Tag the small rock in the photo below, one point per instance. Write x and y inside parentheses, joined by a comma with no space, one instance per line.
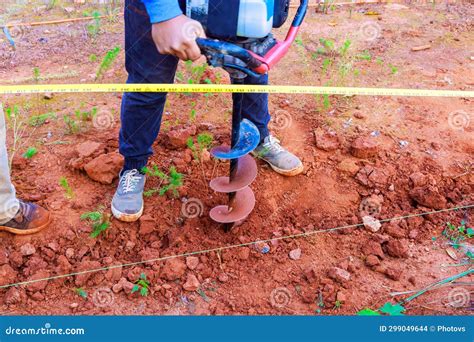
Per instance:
(12,296)
(105,168)
(418,179)
(393,273)
(177,137)
(173,269)
(27,249)
(192,262)
(339,274)
(374,248)
(372,260)
(295,254)
(397,248)
(74,305)
(38,285)
(87,148)
(69,253)
(192,283)
(371,223)
(429,197)
(348,166)
(364,147)
(81,279)
(7,275)
(359,115)
(326,141)
(147,225)
(394,230)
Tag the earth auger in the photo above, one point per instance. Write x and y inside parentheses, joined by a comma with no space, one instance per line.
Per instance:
(242,58)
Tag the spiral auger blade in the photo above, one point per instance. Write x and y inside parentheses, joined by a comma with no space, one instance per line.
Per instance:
(243,171)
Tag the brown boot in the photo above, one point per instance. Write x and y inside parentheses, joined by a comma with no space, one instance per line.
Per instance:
(30,219)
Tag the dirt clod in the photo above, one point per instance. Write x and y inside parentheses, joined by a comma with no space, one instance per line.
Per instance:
(339,274)
(173,269)
(397,248)
(192,283)
(105,168)
(364,147)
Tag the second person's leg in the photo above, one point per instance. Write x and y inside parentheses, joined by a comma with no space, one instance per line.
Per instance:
(141,113)
(255,109)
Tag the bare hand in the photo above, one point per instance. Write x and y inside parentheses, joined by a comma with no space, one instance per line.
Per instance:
(177,37)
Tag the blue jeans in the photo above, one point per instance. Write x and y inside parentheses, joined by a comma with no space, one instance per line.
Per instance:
(141,113)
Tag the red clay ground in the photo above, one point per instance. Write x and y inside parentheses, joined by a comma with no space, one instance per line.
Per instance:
(407,155)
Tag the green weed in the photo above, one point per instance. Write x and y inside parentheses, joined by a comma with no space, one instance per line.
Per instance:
(100,222)
(204,141)
(107,61)
(169,182)
(142,285)
(39,120)
(68,192)
(30,152)
(93,29)
(81,292)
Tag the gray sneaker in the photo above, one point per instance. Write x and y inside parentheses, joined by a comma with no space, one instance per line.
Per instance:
(281,160)
(127,204)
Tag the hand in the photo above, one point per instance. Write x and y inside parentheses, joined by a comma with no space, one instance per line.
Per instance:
(177,37)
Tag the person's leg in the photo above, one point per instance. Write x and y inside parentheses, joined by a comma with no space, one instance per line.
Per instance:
(9,203)
(141,113)
(255,106)
(16,217)
(255,109)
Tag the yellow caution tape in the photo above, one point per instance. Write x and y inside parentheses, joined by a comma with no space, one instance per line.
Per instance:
(227,88)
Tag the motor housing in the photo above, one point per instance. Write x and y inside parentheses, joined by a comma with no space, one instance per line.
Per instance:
(234,20)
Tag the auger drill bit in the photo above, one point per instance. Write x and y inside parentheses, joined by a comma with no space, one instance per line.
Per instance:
(243,169)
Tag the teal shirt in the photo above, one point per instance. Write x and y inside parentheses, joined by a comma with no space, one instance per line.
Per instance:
(162,10)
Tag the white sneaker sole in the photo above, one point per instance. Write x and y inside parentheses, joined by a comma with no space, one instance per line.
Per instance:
(288,173)
(126,217)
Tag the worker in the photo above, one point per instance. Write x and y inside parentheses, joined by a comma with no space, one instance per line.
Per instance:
(16,216)
(157,36)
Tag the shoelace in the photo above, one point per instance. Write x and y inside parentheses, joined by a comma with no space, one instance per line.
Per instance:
(130,181)
(273,145)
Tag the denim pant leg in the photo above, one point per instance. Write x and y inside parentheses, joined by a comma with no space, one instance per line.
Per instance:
(9,204)
(141,113)
(255,106)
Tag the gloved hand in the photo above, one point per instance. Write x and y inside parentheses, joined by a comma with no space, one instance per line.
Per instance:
(177,37)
